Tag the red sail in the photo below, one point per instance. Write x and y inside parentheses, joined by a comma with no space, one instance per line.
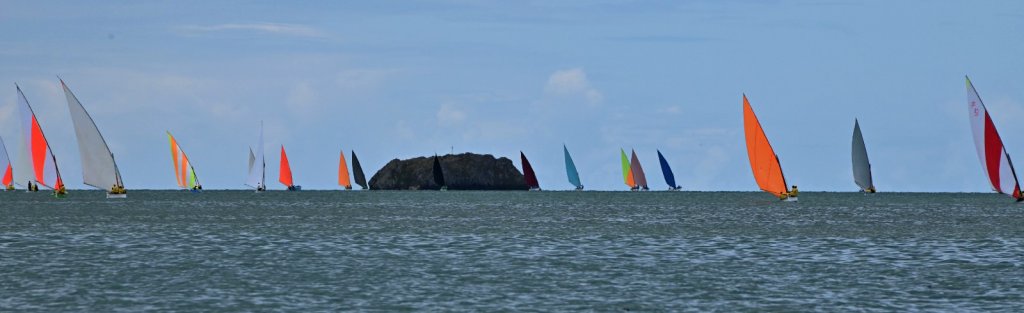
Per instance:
(285,174)
(531,177)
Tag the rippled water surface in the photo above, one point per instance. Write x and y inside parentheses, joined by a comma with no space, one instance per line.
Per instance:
(487,251)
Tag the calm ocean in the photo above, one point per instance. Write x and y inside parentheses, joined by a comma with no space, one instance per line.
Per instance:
(491,251)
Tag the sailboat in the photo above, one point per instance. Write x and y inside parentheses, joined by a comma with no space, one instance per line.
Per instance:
(638,173)
(570,170)
(439,175)
(995,162)
(763,160)
(184,173)
(670,178)
(861,166)
(343,179)
(357,170)
(627,171)
(5,167)
(36,153)
(98,167)
(285,173)
(257,166)
(528,174)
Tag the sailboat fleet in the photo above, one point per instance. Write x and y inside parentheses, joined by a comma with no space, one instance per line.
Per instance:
(37,165)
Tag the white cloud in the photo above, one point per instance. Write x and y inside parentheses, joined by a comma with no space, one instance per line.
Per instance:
(450,114)
(572,83)
(294,30)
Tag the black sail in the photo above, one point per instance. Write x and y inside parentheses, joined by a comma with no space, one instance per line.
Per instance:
(438,173)
(358,171)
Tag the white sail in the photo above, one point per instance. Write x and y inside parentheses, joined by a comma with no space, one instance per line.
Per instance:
(36,161)
(861,166)
(258,169)
(98,167)
(252,160)
(994,159)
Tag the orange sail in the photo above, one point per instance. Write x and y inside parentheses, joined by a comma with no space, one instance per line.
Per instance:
(285,174)
(343,179)
(763,161)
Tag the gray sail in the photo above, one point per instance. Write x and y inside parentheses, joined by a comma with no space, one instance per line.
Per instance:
(252,160)
(861,166)
(257,165)
(98,167)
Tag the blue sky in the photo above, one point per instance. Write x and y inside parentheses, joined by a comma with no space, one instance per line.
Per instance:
(410,78)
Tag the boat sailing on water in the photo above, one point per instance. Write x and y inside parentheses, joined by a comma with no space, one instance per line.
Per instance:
(528,174)
(357,171)
(995,162)
(184,173)
(343,179)
(36,160)
(763,160)
(439,175)
(670,178)
(638,173)
(284,174)
(861,166)
(627,171)
(7,176)
(570,170)
(257,166)
(98,167)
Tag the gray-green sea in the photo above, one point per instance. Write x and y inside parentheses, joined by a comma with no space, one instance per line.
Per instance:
(496,251)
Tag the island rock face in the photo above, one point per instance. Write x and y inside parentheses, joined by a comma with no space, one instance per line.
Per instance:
(465,171)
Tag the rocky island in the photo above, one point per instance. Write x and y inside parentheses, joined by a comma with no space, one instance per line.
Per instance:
(467,171)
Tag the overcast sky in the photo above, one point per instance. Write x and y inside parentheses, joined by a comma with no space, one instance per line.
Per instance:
(398,79)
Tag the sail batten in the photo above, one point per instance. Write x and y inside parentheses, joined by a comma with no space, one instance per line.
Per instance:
(861,165)
(763,161)
(528,174)
(670,178)
(570,170)
(993,156)
(98,167)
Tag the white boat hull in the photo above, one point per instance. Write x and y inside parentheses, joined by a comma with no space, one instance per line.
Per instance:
(117,195)
(791,199)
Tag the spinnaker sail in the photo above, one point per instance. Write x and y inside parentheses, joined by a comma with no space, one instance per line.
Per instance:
(995,160)
(570,170)
(861,166)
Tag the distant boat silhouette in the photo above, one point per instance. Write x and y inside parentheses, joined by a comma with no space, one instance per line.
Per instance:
(570,170)
(861,166)
(184,173)
(284,175)
(528,174)
(638,173)
(670,178)
(627,171)
(343,179)
(358,171)
(7,178)
(439,174)
(257,166)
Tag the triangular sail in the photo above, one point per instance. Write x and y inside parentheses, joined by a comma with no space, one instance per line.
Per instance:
(627,172)
(184,173)
(37,155)
(285,172)
(670,178)
(570,169)
(343,179)
(439,173)
(357,171)
(528,174)
(861,166)
(994,159)
(763,161)
(6,170)
(98,167)
(257,165)
(638,172)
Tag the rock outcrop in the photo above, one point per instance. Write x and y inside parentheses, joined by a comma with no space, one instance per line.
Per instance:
(465,171)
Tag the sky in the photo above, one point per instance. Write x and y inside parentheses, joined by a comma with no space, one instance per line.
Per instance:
(400,79)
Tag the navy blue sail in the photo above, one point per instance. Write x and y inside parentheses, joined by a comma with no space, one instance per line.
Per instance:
(670,178)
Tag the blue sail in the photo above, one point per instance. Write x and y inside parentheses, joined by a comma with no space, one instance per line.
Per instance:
(570,170)
(670,178)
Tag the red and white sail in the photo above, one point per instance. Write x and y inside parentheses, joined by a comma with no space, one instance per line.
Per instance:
(994,159)
(42,165)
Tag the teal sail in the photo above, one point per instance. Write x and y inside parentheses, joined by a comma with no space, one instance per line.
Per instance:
(670,178)
(570,170)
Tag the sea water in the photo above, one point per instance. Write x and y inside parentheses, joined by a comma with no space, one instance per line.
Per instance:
(491,251)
